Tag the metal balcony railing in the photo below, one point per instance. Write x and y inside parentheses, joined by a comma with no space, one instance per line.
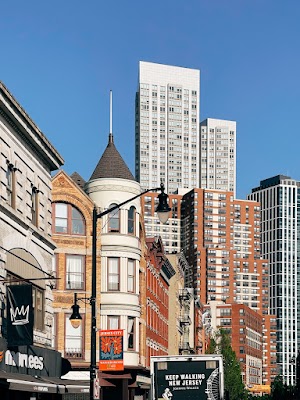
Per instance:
(73,353)
(184,319)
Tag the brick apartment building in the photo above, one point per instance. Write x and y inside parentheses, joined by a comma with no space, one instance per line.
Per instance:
(221,241)
(159,272)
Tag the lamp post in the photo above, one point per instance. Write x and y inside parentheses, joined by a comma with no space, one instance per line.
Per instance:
(162,211)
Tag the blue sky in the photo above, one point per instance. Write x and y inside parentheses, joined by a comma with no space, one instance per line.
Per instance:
(60,58)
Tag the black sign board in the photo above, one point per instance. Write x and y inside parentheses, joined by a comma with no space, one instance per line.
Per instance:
(187,379)
(19,315)
(30,360)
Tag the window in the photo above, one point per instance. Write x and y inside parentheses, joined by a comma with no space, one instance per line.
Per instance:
(75,271)
(68,220)
(38,307)
(114,219)
(11,185)
(131,220)
(113,274)
(73,340)
(131,276)
(113,322)
(34,206)
(130,332)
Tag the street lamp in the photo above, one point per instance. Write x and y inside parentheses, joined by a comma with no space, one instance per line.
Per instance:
(162,210)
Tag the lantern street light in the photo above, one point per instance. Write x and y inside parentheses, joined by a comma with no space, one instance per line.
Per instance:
(162,211)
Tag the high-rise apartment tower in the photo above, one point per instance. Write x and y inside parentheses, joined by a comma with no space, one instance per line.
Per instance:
(279,197)
(167,126)
(218,154)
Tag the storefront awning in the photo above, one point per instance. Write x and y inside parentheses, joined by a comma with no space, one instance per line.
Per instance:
(143,382)
(121,375)
(27,383)
(77,386)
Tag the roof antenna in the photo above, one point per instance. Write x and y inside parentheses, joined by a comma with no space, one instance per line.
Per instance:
(111,139)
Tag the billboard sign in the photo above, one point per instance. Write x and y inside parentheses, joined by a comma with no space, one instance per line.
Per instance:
(187,378)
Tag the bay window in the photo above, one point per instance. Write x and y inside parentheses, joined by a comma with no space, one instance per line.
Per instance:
(113,274)
(130,333)
(131,275)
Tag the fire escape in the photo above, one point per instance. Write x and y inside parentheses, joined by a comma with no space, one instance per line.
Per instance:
(185,298)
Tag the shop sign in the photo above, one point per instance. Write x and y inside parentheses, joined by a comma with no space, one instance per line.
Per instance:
(19,315)
(24,360)
(30,360)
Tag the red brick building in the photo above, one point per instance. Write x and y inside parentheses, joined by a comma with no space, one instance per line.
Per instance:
(159,271)
(221,242)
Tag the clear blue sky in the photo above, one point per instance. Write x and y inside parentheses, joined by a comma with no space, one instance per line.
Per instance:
(60,58)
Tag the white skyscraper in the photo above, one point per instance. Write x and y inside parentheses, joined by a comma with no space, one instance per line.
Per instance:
(218,154)
(167,126)
(280,244)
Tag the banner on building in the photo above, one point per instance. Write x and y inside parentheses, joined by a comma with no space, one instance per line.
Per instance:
(19,315)
(111,350)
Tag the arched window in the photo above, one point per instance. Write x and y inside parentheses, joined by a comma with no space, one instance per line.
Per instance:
(131,220)
(114,219)
(68,220)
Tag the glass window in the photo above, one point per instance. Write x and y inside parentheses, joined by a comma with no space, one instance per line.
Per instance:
(61,218)
(131,276)
(10,185)
(113,274)
(34,206)
(114,219)
(68,220)
(73,340)
(77,222)
(131,220)
(113,322)
(75,266)
(130,332)
(38,305)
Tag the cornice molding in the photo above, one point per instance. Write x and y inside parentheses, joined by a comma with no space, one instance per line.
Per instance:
(113,188)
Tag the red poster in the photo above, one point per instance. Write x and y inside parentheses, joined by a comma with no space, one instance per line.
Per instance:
(111,350)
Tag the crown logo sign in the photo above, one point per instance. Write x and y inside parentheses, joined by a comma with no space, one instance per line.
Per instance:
(19,316)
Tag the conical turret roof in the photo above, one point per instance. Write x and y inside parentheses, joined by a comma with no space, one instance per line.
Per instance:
(111,164)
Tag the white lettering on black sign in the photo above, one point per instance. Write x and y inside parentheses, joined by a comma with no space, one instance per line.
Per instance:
(189,381)
(23,360)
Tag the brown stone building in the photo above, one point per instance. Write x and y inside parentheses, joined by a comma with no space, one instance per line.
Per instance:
(72,233)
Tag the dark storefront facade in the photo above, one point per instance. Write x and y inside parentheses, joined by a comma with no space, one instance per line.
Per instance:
(32,372)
